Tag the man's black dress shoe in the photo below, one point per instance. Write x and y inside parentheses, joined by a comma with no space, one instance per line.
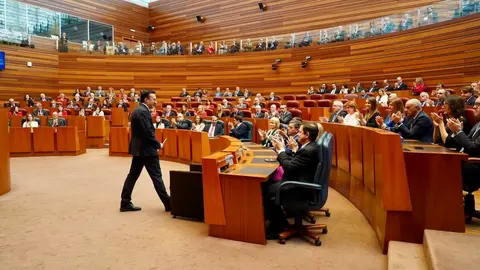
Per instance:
(129,207)
(167,208)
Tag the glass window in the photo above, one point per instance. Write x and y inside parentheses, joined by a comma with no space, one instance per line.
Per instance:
(42,22)
(16,16)
(2,14)
(100,31)
(75,28)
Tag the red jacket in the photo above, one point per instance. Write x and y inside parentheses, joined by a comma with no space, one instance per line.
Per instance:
(419,89)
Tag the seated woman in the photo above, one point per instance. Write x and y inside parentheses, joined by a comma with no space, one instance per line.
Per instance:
(351,119)
(30,122)
(15,111)
(98,112)
(382,98)
(273,131)
(395,107)
(161,123)
(371,113)
(201,111)
(198,124)
(62,112)
(419,87)
(454,109)
(81,112)
(220,113)
(211,48)
(184,110)
(209,105)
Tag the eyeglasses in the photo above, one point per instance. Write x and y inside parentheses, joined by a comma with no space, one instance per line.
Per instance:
(477,104)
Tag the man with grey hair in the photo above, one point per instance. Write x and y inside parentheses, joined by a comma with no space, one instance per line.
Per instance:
(258,112)
(337,111)
(416,125)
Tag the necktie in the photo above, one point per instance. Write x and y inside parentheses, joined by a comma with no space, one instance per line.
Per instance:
(477,129)
(211,131)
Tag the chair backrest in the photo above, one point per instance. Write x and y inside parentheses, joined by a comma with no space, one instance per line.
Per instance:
(175,99)
(296,112)
(288,97)
(246,113)
(223,125)
(189,123)
(350,96)
(330,96)
(293,104)
(322,174)
(301,97)
(250,130)
(309,103)
(316,97)
(324,103)
(209,112)
(180,104)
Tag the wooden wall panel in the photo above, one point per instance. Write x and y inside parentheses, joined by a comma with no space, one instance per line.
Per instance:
(121,14)
(440,52)
(231,19)
(18,79)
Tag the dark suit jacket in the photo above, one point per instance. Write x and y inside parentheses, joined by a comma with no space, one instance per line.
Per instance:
(334,117)
(218,129)
(470,143)
(302,165)
(259,115)
(402,86)
(61,122)
(374,89)
(37,112)
(172,113)
(388,88)
(183,125)
(143,142)
(240,132)
(470,101)
(233,114)
(285,118)
(420,128)
(371,122)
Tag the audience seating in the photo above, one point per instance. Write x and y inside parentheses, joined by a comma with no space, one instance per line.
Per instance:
(343,100)
(288,97)
(330,96)
(276,103)
(247,113)
(175,99)
(296,112)
(165,104)
(218,98)
(309,104)
(351,96)
(209,112)
(316,97)
(293,104)
(301,97)
(250,131)
(324,103)
(180,104)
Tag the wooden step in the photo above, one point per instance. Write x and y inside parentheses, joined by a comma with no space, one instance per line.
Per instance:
(406,256)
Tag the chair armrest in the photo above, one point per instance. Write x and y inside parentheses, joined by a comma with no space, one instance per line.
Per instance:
(295,184)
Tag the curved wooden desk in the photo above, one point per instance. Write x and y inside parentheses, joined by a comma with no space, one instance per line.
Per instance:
(400,189)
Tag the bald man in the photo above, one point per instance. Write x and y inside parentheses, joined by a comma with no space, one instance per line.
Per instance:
(416,125)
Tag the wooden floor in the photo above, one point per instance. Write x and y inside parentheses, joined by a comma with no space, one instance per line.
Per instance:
(474,228)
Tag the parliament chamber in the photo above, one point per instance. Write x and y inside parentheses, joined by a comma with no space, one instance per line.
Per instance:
(395,116)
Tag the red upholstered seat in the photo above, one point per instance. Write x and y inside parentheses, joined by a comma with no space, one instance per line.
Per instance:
(195,104)
(289,97)
(404,100)
(22,111)
(352,96)
(330,96)
(191,111)
(231,98)
(227,111)
(209,112)
(179,104)
(343,100)
(217,98)
(247,113)
(175,99)
(470,115)
(160,112)
(293,104)
(165,104)
(296,112)
(301,97)
(309,103)
(316,97)
(270,103)
(88,112)
(324,103)
(105,111)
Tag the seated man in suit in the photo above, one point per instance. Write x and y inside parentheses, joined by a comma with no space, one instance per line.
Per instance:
(214,128)
(10,104)
(168,111)
(238,130)
(441,95)
(387,86)
(416,125)
(91,104)
(258,112)
(40,111)
(44,98)
(468,144)
(299,167)
(337,111)
(181,123)
(235,112)
(55,121)
(400,85)
(467,95)
(184,93)
(374,87)
(285,116)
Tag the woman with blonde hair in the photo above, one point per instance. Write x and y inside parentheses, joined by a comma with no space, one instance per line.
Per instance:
(382,98)
(273,132)
(351,119)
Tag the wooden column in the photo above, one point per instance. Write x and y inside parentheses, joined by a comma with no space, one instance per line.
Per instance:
(4,153)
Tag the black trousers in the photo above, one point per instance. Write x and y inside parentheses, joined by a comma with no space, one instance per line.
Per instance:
(272,211)
(153,168)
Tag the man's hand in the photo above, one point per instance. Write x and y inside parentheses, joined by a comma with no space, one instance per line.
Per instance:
(397,117)
(278,144)
(292,144)
(340,119)
(230,124)
(454,124)
(174,121)
(323,119)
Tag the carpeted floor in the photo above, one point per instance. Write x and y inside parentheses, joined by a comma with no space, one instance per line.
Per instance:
(62,213)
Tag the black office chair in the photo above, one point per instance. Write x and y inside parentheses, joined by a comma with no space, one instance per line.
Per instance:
(223,126)
(295,197)
(250,131)
(189,122)
(469,199)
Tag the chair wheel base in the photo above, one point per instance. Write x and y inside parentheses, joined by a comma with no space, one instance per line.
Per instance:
(328,214)
(325,231)
(282,241)
(318,242)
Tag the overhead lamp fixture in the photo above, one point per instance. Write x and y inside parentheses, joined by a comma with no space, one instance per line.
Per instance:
(262,6)
(200,19)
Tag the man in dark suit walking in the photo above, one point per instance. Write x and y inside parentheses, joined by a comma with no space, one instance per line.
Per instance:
(144,149)
(417,125)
